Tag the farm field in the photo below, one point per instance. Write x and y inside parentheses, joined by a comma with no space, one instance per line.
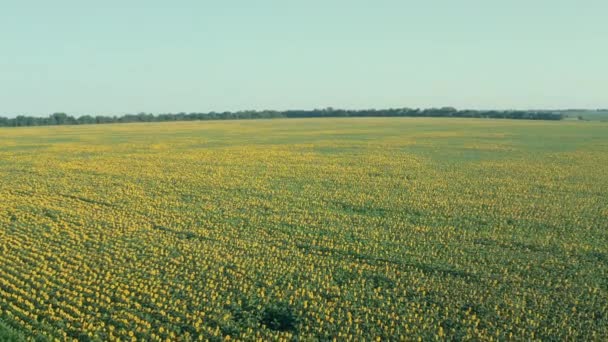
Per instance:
(311,229)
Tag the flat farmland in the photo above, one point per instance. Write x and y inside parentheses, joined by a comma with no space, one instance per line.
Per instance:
(307,229)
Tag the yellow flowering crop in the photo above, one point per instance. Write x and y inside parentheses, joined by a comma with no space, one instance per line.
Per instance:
(314,229)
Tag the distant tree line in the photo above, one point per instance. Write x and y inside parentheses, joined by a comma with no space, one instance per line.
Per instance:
(64,119)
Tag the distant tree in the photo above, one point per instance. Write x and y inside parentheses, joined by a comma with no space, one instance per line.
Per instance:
(64,119)
(85,120)
(59,118)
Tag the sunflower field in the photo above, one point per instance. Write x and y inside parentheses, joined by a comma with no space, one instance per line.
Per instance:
(305,229)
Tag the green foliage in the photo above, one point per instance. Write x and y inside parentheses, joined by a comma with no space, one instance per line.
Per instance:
(8,334)
(279,317)
(63,119)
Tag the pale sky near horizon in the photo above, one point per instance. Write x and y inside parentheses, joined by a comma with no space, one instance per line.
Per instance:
(115,57)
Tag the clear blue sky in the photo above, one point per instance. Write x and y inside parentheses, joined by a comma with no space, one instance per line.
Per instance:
(114,57)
